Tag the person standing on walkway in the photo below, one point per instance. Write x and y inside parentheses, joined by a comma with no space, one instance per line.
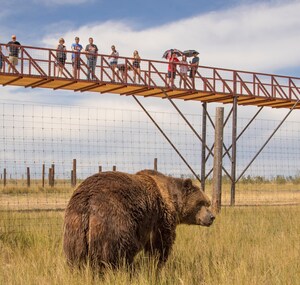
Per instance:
(113,61)
(1,59)
(194,66)
(13,51)
(136,66)
(91,54)
(76,48)
(61,56)
(183,71)
(172,69)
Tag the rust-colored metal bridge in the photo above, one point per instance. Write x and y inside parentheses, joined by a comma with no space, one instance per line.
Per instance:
(38,68)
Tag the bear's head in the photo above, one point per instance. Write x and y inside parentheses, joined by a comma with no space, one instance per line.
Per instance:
(189,201)
(193,208)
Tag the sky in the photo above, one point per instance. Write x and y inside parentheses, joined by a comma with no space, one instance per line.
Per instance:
(246,35)
(260,36)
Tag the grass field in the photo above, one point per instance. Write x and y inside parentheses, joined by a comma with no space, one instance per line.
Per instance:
(20,197)
(246,245)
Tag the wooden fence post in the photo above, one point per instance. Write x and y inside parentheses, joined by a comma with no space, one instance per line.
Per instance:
(74,180)
(28,177)
(100,168)
(155,164)
(217,167)
(72,184)
(50,176)
(114,168)
(4,177)
(52,173)
(43,175)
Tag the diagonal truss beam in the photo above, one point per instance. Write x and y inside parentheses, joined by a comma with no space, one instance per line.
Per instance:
(244,129)
(191,127)
(267,141)
(167,138)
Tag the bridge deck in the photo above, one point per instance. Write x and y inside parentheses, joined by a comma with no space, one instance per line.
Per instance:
(37,68)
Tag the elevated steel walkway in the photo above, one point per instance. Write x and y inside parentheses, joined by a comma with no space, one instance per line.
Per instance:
(38,68)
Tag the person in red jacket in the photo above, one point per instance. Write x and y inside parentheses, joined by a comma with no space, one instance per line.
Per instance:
(172,69)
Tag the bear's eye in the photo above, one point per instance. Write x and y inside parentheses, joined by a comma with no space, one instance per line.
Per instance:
(189,190)
(187,183)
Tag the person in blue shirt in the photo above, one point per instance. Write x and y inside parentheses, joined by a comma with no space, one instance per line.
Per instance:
(76,48)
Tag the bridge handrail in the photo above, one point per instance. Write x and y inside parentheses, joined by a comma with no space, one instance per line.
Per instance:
(42,61)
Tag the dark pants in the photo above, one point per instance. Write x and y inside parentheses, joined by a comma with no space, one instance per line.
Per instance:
(91,62)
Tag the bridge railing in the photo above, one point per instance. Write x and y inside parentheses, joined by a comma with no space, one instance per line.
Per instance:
(43,63)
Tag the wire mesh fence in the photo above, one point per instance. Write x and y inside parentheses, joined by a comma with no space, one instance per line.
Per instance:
(39,144)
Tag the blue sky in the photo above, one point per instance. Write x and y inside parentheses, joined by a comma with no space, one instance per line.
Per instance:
(32,18)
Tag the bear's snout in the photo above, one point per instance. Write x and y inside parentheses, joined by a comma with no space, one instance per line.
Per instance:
(205,217)
(212,218)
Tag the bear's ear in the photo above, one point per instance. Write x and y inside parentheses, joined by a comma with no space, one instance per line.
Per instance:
(187,185)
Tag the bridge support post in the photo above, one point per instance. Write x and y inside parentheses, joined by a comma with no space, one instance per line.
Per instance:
(233,152)
(203,151)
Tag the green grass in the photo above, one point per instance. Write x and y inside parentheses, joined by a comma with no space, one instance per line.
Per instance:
(251,245)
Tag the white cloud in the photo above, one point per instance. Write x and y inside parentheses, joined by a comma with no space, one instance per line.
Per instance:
(259,37)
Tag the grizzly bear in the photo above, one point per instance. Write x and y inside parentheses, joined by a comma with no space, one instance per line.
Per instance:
(112,216)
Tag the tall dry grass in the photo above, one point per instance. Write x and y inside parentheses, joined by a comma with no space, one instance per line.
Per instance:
(21,197)
(252,245)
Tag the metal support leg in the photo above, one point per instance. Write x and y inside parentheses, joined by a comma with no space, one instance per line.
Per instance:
(267,141)
(203,152)
(233,151)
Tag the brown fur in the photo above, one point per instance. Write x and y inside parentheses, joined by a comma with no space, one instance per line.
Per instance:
(112,216)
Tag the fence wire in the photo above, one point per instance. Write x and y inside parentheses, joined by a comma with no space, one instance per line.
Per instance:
(35,135)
